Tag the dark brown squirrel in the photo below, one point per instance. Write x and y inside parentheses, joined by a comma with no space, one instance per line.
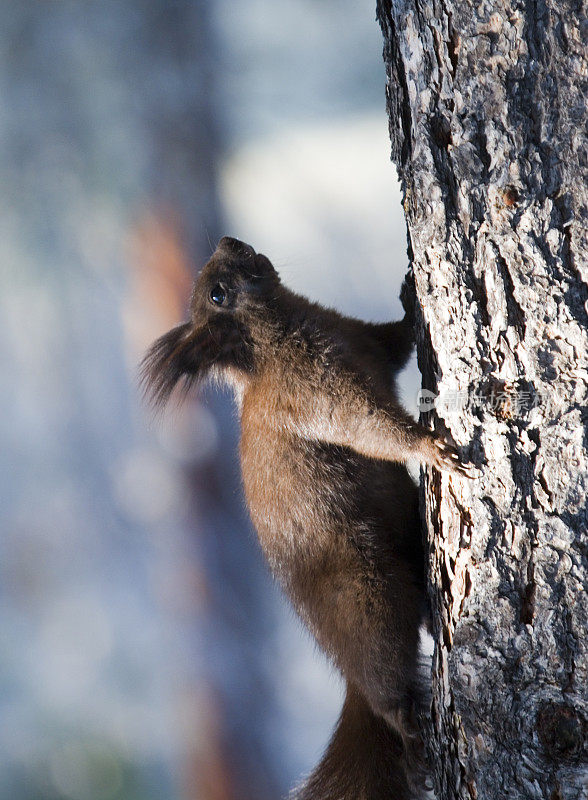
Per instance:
(323,441)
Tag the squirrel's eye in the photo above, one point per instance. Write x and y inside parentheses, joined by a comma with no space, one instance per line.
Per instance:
(218,296)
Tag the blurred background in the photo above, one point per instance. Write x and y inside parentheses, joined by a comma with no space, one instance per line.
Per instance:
(144,650)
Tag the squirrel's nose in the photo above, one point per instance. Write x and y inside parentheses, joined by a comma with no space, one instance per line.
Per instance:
(235,247)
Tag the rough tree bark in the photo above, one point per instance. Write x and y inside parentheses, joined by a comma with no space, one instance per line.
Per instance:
(488,121)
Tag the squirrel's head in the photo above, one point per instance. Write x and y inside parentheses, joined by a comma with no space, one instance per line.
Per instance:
(232,283)
(231,286)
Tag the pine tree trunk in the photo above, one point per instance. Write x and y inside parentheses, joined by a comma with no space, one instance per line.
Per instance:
(488,122)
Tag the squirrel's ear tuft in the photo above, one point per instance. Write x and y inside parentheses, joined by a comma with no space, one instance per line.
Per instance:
(183,355)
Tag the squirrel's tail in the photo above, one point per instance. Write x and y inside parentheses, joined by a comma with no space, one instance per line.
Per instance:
(365,760)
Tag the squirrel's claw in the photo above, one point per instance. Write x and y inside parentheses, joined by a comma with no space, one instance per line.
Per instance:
(448,458)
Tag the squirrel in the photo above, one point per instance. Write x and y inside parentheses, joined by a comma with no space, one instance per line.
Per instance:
(323,445)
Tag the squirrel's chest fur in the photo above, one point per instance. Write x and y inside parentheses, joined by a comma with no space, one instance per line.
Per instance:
(333,525)
(293,487)
(292,492)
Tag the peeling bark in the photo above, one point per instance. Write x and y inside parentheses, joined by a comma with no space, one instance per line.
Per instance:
(488,121)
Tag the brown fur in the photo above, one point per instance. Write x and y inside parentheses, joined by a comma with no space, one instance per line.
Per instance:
(322,438)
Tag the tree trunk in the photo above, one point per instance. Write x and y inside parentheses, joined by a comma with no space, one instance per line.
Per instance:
(488,121)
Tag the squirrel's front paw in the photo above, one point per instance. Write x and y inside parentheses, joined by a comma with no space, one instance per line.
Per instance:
(446,457)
